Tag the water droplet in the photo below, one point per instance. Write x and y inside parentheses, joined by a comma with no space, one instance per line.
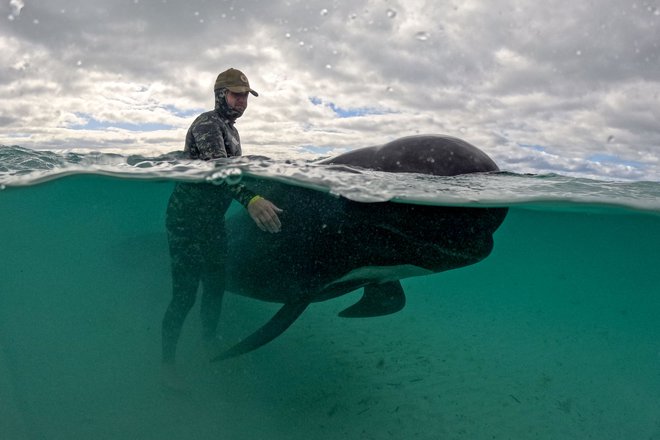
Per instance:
(391,13)
(578,52)
(422,36)
(196,13)
(301,43)
(287,35)
(610,138)
(352,16)
(463,130)
(389,89)
(79,63)
(16,7)
(328,66)
(234,178)
(35,21)
(324,12)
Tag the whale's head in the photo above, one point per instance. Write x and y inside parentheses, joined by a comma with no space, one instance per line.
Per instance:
(434,238)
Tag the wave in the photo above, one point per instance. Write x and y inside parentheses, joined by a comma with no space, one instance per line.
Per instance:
(25,167)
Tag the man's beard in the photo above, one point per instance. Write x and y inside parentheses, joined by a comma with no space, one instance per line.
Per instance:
(235,113)
(222,105)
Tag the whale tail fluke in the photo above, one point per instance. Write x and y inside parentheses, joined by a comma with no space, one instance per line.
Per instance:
(378,300)
(282,320)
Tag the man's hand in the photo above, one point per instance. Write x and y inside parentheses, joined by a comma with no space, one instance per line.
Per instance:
(264,213)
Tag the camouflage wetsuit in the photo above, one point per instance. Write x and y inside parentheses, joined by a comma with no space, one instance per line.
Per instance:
(196,227)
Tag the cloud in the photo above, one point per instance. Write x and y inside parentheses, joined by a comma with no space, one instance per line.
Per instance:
(578,79)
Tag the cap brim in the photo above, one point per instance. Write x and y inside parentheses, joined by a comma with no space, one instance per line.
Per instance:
(242,89)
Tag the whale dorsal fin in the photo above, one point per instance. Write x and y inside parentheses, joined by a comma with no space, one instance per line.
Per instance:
(377,300)
(282,320)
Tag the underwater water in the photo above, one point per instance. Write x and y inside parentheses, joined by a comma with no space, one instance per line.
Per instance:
(555,335)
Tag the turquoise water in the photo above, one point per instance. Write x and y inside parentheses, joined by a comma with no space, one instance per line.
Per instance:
(554,336)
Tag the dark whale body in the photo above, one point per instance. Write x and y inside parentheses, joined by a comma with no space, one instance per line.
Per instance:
(330,246)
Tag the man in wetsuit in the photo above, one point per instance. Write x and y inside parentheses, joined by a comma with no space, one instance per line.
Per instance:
(195,220)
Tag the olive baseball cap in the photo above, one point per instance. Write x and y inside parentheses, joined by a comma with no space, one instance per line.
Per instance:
(233,80)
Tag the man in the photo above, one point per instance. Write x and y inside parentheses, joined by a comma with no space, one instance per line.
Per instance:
(195,220)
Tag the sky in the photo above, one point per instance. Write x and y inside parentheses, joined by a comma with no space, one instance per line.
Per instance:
(559,86)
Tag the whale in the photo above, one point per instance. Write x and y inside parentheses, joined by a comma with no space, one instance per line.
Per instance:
(330,245)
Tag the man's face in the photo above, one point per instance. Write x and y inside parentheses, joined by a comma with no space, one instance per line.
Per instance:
(237,101)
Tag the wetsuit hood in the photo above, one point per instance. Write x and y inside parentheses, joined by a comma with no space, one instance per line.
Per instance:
(222,107)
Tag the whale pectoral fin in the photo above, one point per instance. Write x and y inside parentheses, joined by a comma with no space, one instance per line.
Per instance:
(378,300)
(282,320)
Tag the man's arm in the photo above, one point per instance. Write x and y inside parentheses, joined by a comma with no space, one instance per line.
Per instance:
(210,144)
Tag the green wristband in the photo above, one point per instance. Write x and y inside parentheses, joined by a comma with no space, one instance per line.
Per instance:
(254,199)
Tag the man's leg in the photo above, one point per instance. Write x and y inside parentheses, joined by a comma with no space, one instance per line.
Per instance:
(184,291)
(184,254)
(213,293)
(213,286)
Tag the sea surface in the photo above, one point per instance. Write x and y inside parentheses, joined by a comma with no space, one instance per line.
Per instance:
(556,335)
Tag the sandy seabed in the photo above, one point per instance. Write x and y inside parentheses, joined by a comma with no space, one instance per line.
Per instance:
(459,367)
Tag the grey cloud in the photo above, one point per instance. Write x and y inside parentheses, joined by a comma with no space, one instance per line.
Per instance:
(562,74)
